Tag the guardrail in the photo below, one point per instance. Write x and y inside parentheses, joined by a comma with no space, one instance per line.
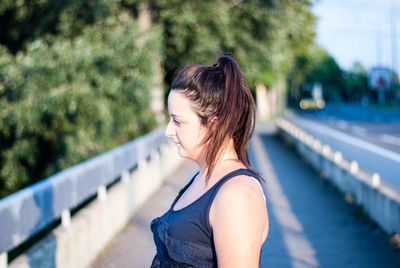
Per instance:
(29,211)
(378,200)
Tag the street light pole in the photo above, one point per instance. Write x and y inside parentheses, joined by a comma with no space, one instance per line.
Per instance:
(393,36)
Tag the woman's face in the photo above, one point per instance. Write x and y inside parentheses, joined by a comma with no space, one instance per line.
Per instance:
(184,127)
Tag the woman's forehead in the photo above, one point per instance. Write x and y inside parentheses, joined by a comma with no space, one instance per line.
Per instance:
(179,105)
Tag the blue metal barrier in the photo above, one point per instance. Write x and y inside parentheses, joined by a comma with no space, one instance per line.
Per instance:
(30,210)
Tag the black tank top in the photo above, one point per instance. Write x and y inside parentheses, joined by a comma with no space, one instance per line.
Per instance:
(184,237)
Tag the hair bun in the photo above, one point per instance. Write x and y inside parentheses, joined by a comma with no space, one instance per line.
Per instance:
(225,59)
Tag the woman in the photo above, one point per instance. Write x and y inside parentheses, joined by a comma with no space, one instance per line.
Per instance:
(219,219)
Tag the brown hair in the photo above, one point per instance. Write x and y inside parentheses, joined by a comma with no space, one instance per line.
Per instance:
(220,91)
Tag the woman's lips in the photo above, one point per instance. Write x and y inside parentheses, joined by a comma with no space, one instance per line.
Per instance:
(176,143)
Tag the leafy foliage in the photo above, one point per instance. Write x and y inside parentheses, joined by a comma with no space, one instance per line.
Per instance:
(75,75)
(264,35)
(316,65)
(23,21)
(65,102)
(356,82)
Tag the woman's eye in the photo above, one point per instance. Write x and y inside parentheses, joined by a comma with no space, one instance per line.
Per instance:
(176,122)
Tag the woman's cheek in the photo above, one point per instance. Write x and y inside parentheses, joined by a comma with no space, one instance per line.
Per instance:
(178,134)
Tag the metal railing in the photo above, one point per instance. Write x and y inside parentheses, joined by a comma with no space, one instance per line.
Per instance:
(380,201)
(30,210)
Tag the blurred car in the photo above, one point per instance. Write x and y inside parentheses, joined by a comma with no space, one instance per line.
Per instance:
(312,104)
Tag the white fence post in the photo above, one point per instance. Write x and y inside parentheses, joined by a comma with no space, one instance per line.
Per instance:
(3,260)
(375,180)
(125,176)
(338,157)
(142,164)
(102,193)
(354,167)
(66,218)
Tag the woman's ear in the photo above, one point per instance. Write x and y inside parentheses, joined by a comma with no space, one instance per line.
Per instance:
(213,120)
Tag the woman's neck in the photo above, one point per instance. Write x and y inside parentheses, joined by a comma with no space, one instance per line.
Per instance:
(227,160)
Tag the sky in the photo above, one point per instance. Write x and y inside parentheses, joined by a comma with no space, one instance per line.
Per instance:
(360,30)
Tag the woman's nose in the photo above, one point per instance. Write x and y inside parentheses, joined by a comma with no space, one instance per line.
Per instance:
(169,130)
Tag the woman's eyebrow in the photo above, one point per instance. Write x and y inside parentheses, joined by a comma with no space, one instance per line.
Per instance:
(175,115)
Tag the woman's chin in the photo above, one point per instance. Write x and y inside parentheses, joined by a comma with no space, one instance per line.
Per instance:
(181,151)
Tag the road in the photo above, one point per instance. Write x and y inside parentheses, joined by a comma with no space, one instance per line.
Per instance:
(369,136)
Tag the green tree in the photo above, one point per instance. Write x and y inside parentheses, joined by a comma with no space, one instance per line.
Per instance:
(271,34)
(24,21)
(264,36)
(317,65)
(356,82)
(65,102)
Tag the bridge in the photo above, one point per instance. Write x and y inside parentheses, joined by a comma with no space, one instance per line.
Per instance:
(324,210)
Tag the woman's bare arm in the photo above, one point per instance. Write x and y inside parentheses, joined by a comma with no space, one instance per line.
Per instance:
(238,222)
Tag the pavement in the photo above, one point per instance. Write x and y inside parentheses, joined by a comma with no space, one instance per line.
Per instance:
(311,225)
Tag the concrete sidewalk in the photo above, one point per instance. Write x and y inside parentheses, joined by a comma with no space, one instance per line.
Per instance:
(310,223)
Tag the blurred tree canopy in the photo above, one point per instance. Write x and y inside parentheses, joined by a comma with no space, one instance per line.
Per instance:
(325,70)
(75,75)
(264,36)
(65,99)
(316,65)
(25,20)
(356,81)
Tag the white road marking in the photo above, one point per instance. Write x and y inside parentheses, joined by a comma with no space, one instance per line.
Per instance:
(390,139)
(342,124)
(359,131)
(347,138)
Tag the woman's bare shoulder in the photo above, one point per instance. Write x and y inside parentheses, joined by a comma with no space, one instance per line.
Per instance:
(241,195)
(240,185)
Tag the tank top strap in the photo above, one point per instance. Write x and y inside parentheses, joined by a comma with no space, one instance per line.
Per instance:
(237,172)
(184,189)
